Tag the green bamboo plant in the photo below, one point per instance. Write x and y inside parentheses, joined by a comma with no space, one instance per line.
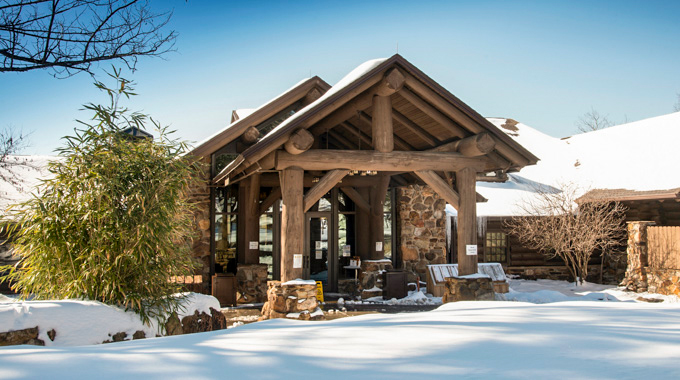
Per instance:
(114,222)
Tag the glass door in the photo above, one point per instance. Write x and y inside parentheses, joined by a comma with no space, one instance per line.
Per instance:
(318,250)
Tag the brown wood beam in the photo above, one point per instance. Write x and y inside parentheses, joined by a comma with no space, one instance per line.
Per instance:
(250,136)
(358,133)
(459,116)
(342,140)
(432,112)
(381,125)
(356,198)
(252,220)
(292,223)
(473,146)
(270,200)
(398,141)
(415,128)
(440,186)
(299,141)
(311,97)
(272,180)
(362,220)
(377,217)
(388,85)
(467,220)
(371,160)
(326,183)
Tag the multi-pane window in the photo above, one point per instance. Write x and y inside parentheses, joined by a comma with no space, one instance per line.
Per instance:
(226,229)
(496,247)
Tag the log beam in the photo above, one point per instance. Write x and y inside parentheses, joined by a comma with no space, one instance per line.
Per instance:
(368,120)
(377,218)
(270,200)
(311,97)
(299,141)
(382,129)
(432,112)
(370,160)
(440,186)
(356,198)
(390,83)
(415,128)
(462,118)
(473,146)
(292,223)
(467,220)
(250,136)
(326,183)
(252,220)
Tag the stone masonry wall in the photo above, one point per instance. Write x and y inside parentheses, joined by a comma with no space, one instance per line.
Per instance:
(636,272)
(251,283)
(422,229)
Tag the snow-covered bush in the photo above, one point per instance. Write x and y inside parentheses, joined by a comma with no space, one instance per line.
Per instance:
(112,223)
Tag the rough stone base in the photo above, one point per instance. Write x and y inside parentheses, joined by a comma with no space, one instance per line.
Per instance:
(292,300)
(468,289)
(251,283)
(25,336)
(349,286)
(371,277)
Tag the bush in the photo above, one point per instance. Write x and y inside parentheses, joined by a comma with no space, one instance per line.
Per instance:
(114,223)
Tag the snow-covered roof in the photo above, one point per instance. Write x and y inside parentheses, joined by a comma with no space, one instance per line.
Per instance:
(641,156)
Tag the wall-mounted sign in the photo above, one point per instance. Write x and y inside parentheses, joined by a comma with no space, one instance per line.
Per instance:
(297,261)
(378,246)
(346,250)
(471,249)
(253,245)
(318,255)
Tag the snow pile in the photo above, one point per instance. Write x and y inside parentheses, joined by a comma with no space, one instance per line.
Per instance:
(604,340)
(86,322)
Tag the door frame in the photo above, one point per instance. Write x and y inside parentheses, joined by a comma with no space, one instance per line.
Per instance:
(331,250)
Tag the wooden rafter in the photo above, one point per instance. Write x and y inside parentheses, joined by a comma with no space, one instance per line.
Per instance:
(415,128)
(432,112)
(356,198)
(326,183)
(440,187)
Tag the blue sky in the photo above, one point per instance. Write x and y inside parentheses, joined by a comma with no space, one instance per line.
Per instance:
(543,63)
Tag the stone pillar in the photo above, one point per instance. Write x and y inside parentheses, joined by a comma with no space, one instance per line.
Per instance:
(469,288)
(636,272)
(251,283)
(371,277)
(293,300)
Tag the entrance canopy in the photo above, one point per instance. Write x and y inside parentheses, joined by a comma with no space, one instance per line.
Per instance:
(387,119)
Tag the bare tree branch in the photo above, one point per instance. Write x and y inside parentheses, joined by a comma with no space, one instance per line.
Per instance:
(593,121)
(555,225)
(676,106)
(69,36)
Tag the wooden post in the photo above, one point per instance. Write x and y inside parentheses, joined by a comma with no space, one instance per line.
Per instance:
(292,223)
(241,227)
(377,218)
(467,220)
(383,131)
(252,220)
(363,227)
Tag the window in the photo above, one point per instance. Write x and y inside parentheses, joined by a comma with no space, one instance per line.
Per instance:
(496,247)
(226,229)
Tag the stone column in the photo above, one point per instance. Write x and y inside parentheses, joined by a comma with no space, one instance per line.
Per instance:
(637,256)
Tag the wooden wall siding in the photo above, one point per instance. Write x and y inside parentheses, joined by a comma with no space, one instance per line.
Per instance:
(663,213)
(663,244)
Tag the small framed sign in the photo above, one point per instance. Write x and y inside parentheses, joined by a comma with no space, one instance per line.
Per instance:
(378,246)
(471,249)
(346,250)
(318,255)
(253,245)
(297,261)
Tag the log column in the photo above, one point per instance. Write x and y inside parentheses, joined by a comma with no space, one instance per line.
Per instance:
(292,222)
(467,220)
(363,227)
(252,220)
(383,131)
(377,218)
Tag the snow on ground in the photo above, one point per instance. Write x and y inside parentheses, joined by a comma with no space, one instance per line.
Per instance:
(85,322)
(595,340)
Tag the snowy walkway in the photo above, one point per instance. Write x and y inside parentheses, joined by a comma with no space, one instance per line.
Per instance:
(578,339)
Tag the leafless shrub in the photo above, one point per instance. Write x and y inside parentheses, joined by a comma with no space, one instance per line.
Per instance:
(593,121)
(555,225)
